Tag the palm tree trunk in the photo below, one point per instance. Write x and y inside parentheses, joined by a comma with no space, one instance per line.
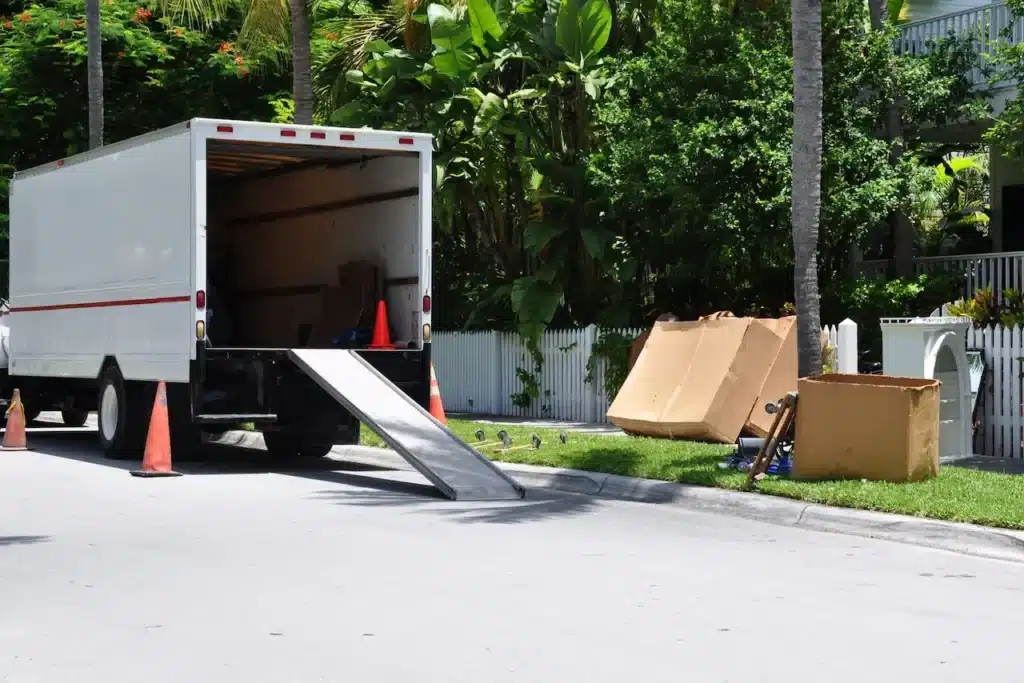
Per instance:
(94,68)
(302,79)
(807,104)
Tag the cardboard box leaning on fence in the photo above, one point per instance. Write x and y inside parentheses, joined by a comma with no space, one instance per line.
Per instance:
(698,379)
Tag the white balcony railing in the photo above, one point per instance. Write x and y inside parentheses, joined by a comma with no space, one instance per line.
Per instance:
(986,24)
(998,271)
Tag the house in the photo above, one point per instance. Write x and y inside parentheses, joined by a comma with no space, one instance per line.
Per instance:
(932,20)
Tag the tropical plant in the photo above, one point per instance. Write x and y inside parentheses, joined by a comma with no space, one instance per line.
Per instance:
(509,100)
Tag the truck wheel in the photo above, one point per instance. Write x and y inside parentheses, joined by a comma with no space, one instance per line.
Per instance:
(74,418)
(31,414)
(286,444)
(186,437)
(348,433)
(122,416)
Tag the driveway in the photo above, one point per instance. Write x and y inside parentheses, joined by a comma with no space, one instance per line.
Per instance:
(240,571)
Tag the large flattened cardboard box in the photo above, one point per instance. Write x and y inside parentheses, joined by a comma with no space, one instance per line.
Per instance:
(782,375)
(696,380)
(872,427)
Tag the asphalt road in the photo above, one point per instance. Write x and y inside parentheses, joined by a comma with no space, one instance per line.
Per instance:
(239,573)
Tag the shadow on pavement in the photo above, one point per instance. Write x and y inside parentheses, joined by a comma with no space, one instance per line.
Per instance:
(22,540)
(538,505)
(215,459)
(373,485)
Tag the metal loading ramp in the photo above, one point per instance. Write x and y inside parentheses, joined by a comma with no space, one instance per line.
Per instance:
(455,467)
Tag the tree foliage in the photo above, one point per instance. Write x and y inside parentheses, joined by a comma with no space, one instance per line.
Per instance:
(156,74)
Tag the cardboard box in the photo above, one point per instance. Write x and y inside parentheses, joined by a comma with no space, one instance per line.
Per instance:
(782,375)
(696,380)
(638,344)
(867,427)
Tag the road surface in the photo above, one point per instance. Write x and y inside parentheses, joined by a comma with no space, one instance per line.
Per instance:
(237,573)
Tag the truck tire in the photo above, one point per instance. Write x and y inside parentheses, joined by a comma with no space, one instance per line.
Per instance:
(348,433)
(74,418)
(186,437)
(290,444)
(122,415)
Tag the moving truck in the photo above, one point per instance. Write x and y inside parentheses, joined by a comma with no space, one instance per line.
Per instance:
(243,264)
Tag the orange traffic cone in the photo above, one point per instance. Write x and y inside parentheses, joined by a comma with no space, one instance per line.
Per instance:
(156,461)
(381,336)
(436,405)
(14,435)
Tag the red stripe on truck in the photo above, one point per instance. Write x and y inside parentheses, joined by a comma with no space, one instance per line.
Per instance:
(104,304)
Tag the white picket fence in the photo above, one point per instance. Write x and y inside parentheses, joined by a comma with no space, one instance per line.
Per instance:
(1001,402)
(479,373)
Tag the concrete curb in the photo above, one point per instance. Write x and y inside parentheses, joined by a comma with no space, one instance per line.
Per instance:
(967,539)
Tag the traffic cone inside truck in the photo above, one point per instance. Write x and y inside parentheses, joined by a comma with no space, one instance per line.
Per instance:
(249,284)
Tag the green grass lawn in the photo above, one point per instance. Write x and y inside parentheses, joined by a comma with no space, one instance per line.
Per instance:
(958,494)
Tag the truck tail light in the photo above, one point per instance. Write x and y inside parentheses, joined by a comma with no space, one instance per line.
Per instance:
(426,303)
(200,300)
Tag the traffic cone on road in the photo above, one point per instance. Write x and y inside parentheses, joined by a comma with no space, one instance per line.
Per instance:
(14,435)
(381,335)
(156,461)
(436,405)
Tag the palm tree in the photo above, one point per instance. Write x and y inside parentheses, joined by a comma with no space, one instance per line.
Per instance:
(267,23)
(94,70)
(806,200)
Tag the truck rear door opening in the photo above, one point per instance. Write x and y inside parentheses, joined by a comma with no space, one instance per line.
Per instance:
(302,241)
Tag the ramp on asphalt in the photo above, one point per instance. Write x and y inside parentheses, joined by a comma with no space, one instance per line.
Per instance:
(454,466)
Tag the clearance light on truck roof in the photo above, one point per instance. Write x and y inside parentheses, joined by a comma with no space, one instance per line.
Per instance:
(318,135)
(347,137)
(405,141)
(225,129)
(287,133)
(200,330)
(200,299)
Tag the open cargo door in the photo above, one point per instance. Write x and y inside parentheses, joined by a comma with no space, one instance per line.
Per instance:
(454,466)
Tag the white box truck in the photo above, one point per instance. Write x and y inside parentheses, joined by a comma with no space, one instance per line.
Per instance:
(239,262)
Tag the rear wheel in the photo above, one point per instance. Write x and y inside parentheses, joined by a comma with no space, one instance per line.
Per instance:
(122,415)
(186,437)
(293,444)
(74,418)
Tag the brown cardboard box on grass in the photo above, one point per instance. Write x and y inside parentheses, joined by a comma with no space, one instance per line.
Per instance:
(782,375)
(867,427)
(696,380)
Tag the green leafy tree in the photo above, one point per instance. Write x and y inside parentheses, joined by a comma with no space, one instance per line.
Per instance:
(509,99)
